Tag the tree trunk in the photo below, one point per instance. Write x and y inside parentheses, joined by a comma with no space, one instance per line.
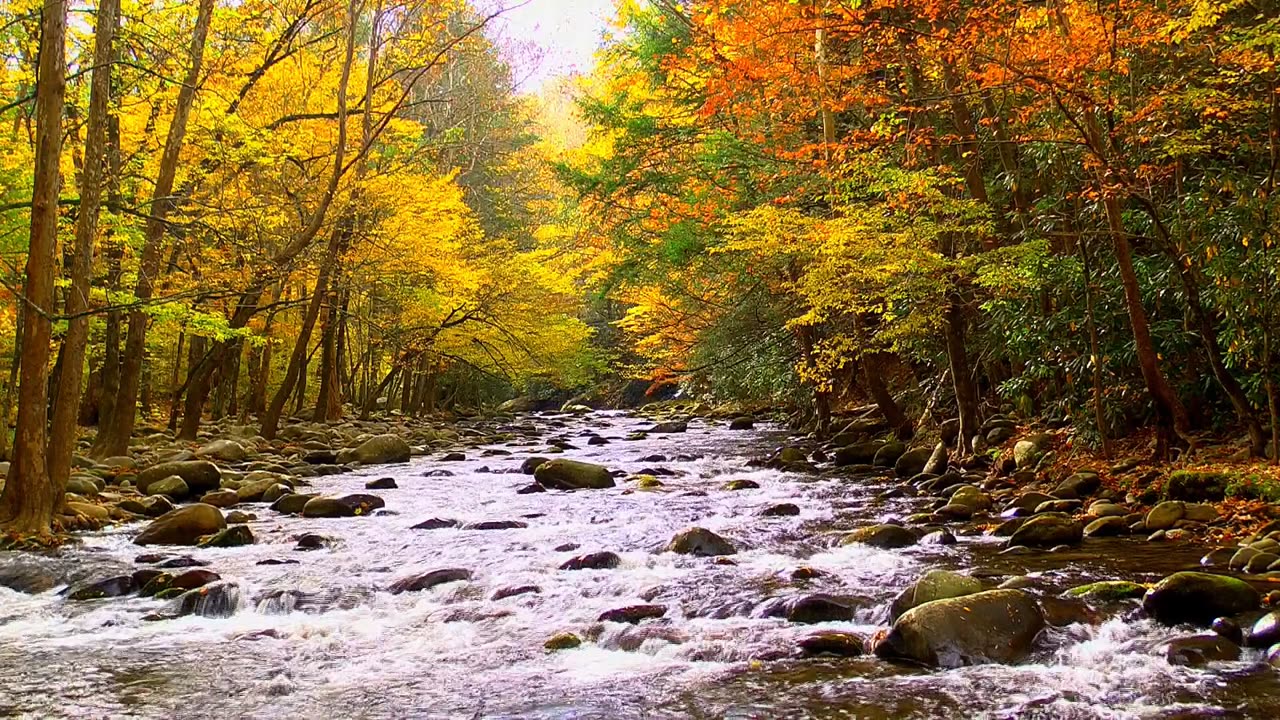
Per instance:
(30,498)
(293,374)
(1095,354)
(954,323)
(113,439)
(66,403)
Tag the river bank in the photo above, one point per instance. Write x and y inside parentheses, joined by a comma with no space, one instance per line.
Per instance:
(438,592)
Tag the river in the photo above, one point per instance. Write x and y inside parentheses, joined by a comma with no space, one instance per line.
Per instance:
(323,638)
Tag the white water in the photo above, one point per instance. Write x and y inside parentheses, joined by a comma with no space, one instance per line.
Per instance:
(351,649)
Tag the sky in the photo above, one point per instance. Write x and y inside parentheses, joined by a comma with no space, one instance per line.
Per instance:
(564,32)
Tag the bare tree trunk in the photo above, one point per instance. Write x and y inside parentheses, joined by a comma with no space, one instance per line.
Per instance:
(113,437)
(954,324)
(295,371)
(30,498)
(10,391)
(66,403)
(1095,352)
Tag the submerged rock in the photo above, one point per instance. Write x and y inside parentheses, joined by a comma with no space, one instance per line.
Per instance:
(428,580)
(572,475)
(593,561)
(633,614)
(345,506)
(1199,650)
(839,644)
(234,536)
(992,626)
(885,536)
(562,641)
(1108,591)
(108,588)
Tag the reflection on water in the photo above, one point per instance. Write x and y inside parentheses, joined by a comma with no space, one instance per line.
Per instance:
(322,638)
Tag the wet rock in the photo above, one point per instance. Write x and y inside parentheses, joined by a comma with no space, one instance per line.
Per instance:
(1109,526)
(912,462)
(108,588)
(648,482)
(1047,531)
(1061,612)
(593,561)
(345,506)
(1030,500)
(1198,598)
(633,614)
(971,497)
(1164,515)
(562,641)
(274,493)
(819,608)
(192,579)
(992,626)
(293,504)
(172,486)
(378,450)
(701,542)
(933,585)
(1261,562)
(225,450)
(1217,557)
(436,524)
(1241,558)
(200,476)
(496,525)
(428,580)
(182,561)
(220,498)
(184,526)
(673,426)
(81,485)
(741,484)
(1266,631)
(741,423)
(1199,650)
(1108,591)
(530,489)
(320,457)
(939,537)
(786,456)
(312,541)
(572,475)
(954,511)
(1058,506)
(839,644)
(1229,629)
(885,536)
(233,536)
(530,465)
(218,600)
(888,454)
(514,590)
(781,510)
(1103,508)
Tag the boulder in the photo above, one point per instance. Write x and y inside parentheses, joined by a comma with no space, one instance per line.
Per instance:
(888,454)
(1078,485)
(934,585)
(109,588)
(233,536)
(1028,451)
(672,426)
(385,483)
(562,641)
(856,454)
(1198,598)
(1108,591)
(220,498)
(201,476)
(992,626)
(632,614)
(839,644)
(225,450)
(1196,486)
(912,462)
(1164,515)
(531,464)
(937,460)
(819,608)
(378,450)
(293,503)
(885,536)
(741,423)
(82,485)
(572,475)
(172,486)
(701,542)
(781,510)
(1265,632)
(184,526)
(1047,531)
(593,561)
(1109,526)
(345,506)
(1199,650)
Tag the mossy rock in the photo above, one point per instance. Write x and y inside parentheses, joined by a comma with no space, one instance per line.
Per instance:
(562,641)
(1196,486)
(1108,591)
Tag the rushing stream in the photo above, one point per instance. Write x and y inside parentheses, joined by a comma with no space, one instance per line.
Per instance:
(324,638)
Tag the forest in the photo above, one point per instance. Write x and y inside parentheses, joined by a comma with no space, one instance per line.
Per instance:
(312,209)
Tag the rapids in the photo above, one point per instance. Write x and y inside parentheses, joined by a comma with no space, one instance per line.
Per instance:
(323,638)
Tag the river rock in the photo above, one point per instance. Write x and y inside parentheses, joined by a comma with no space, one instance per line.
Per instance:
(781,510)
(192,579)
(912,462)
(436,524)
(496,525)
(888,454)
(819,608)
(184,526)
(233,536)
(1165,515)
(1199,650)
(701,542)
(572,475)
(513,590)
(1078,485)
(530,465)
(225,450)
(971,497)
(172,486)
(345,506)
(1109,526)
(220,498)
(1198,598)
(933,585)
(991,626)
(1103,509)
(1028,451)
(671,426)
(1196,486)
(633,614)
(108,588)
(885,536)
(562,641)
(1107,591)
(593,561)
(1265,632)
(378,450)
(741,423)
(293,503)
(201,476)
(839,644)
(256,490)
(217,600)
(1047,531)
(385,483)
(82,485)
(856,454)
(428,580)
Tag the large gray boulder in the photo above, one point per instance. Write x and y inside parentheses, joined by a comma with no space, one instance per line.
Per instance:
(912,462)
(201,476)
(1048,530)
(183,526)
(572,475)
(1028,451)
(225,450)
(378,450)
(993,626)
(172,486)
